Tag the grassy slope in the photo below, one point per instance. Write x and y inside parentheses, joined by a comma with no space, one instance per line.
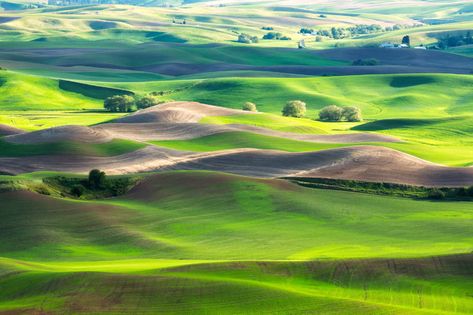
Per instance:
(22,92)
(232,218)
(114,147)
(33,120)
(154,219)
(31,102)
(379,96)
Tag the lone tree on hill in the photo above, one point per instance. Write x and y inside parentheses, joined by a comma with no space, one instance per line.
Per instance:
(147,101)
(352,113)
(294,109)
(96,179)
(331,113)
(250,107)
(406,40)
(119,103)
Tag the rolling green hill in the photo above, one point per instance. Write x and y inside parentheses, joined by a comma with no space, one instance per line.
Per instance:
(379,96)
(23,92)
(223,233)
(196,242)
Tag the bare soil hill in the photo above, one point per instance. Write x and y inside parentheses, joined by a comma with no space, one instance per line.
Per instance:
(6,130)
(365,163)
(61,134)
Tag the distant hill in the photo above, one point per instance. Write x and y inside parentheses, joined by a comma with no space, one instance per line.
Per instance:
(153,3)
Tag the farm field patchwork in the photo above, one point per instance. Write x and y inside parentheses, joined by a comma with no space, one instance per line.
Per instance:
(156,157)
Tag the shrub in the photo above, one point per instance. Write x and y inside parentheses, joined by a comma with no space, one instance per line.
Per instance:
(352,113)
(119,103)
(77,190)
(436,194)
(96,179)
(43,191)
(331,113)
(294,109)
(147,101)
(250,107)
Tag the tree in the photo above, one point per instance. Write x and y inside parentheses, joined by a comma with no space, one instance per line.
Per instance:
(77,190)
(406,40)
(119,103)
(351,113)
(331,113)
(96,179)
(294,109)
(147,101)
(249,106)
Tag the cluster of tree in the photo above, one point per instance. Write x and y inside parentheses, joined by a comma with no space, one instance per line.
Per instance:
(96,185)
(337,113)
(298,109)
(455,40)
(294,109)
(127,103)
(247,39)
(366,62)
(276,35)
(267,28)
(250,107)
(97,180)
(360,29)
(307,30)
(452,193)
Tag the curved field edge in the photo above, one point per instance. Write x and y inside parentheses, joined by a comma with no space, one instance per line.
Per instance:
(447,155)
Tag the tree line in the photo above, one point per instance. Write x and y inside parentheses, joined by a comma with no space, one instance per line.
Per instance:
(455,40)
(360,29)
(331,113)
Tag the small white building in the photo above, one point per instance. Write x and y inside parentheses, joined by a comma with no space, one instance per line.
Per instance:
(387,45)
